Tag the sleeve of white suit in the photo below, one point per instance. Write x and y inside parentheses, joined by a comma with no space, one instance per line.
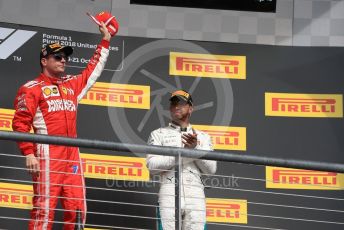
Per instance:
(156,163)
(84,81)
(206,166)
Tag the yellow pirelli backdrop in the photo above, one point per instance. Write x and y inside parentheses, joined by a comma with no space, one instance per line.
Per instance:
(114,167)
(207,65)
(304,105)
(6,116)
(225,138)
(118,95)
(262,100)
(16,195)
(288,178)
(94,229)
(226,210)
(218,210)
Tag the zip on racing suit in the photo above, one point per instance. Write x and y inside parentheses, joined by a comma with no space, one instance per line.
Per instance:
(193,204)
(49,105)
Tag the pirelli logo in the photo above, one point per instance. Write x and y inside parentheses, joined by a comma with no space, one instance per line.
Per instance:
(16,196)
(288,178)
(207,65)
(6,116)
(224,137)
(94,229)
(114,167)
(226,210)
(118,95)
(304,105)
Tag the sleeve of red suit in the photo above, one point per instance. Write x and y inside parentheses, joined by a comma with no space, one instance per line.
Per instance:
(25,104)
(84,81)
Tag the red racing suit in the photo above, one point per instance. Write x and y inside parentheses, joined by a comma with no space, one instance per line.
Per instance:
(49,105)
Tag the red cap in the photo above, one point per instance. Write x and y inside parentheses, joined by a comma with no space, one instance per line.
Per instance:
(109,21)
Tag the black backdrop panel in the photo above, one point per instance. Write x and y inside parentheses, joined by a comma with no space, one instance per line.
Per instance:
(243,5)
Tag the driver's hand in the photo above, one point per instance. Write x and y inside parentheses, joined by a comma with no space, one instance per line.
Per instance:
(32,165)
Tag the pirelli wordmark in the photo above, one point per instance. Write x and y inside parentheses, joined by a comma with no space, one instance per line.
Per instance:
(226,210)
(304,105)
(207,65)
(225,138)
(114,167)
(289,178)
(6,116)
(118,95)
(16,195)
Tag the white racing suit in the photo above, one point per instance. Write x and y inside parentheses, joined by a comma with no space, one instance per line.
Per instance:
(193,206)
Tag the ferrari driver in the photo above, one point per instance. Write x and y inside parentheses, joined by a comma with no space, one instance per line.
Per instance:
(49,105)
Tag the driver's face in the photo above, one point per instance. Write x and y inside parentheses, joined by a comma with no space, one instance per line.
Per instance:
(179,109)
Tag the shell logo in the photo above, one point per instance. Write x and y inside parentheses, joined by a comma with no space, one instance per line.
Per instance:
(47,91)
